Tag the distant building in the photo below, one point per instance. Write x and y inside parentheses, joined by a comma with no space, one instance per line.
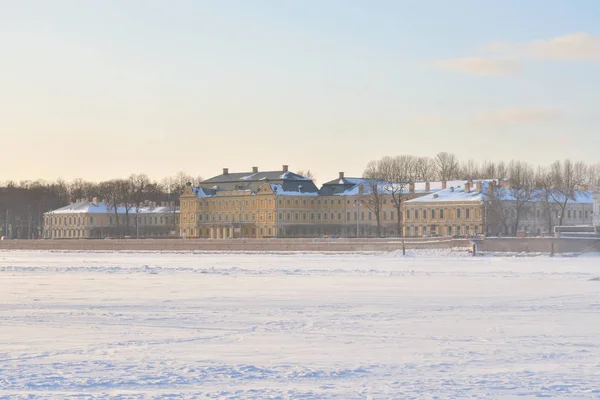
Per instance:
(459,209)
(256,204)
(96,219)
(492,207)
(284,204)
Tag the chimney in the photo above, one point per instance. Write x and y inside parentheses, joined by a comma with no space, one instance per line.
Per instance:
(95,201)
(341,175)
(411,187)
(478,186)
(284,168)
(468,187)
(427,187)
(254,170)
(225,171)
(444,183)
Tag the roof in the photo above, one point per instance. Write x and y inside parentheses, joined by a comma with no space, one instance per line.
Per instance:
(458,194)
(88,207)
(351,186)
(283,183)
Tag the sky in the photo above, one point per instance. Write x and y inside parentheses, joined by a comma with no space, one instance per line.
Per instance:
(103,89)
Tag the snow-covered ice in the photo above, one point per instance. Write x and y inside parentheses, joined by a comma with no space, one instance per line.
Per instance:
(298,326)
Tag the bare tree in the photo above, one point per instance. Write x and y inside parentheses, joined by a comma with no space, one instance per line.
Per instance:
(424,169)
(397,173)
(521,182)
(374,201)
(306,173)
(563,179)
(140,186)
(446,166)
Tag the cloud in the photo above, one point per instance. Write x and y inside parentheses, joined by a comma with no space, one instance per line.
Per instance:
(578,46)
(480,66)
(507,117)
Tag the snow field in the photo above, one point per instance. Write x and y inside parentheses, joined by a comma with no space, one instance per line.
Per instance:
(298,326)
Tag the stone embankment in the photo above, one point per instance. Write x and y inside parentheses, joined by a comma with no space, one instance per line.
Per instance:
(504,245)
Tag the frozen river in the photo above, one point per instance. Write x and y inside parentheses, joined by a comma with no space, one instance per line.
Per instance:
(298,326)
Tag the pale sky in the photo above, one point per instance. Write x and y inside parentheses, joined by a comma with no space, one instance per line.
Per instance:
(102,89)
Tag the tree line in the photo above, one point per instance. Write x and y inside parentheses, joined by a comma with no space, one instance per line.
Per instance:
(553,185)
(23,204)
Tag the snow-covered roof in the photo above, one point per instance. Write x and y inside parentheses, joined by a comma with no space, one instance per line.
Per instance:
(458,194)
(355,186)
(88,207)
(279,190)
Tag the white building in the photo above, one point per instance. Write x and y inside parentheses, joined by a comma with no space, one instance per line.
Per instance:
(96,219)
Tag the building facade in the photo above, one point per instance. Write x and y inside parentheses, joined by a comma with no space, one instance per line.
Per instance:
(96,219)
(283,204)
(493,207)
(459,209)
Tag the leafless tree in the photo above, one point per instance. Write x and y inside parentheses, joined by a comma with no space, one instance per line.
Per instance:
(563,180)
(374,198)
(424,169)
(446,166)
(397,173)
(306,173)
(520,188)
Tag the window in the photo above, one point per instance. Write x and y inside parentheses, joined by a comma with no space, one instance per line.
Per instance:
(270,216)
(407,214)
(432,214)
(340,216)
(296,217)
(319,216)
(304,216)
(569,214)
(281,216)
(424,214)
(580,215)
(449,230)
(325,216)
(370,215)
(391,215)
(355,215)
(348,216)
(296,202)
(332,216)
(339,202)
(468,213)
(385,215)
(458,214)
(288,216)
(362,215)
(312,216)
